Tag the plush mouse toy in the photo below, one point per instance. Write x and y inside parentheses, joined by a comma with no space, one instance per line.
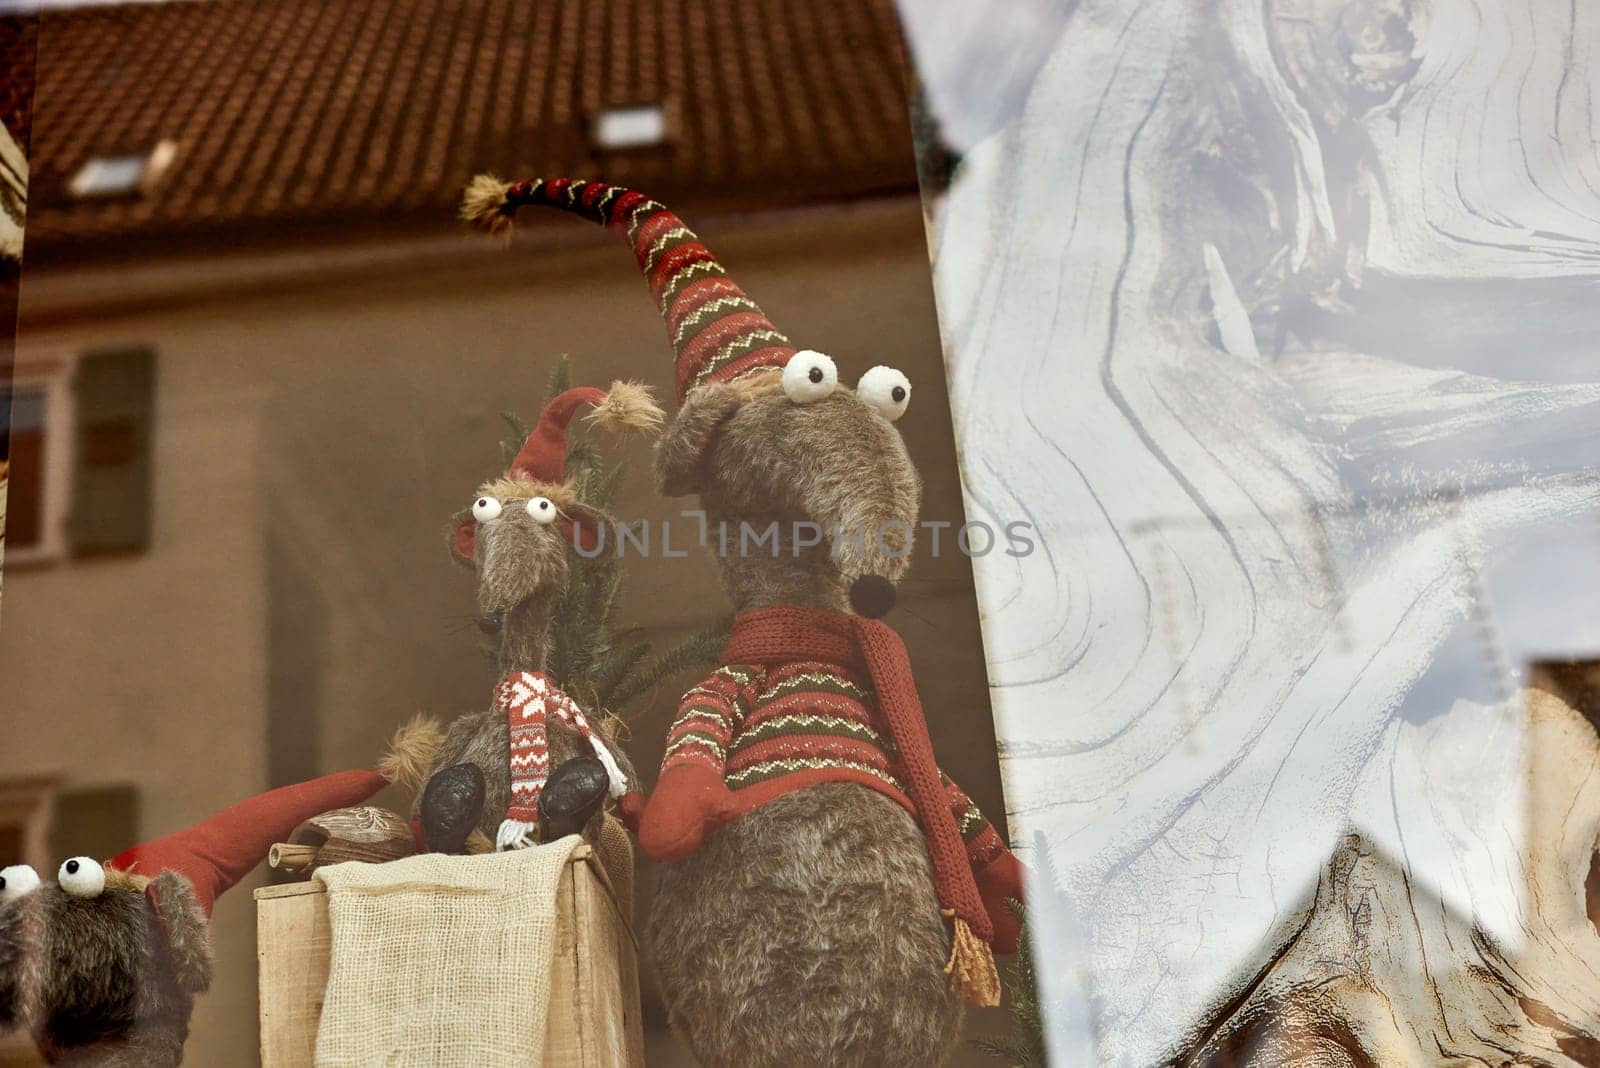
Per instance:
(827,895)
(533,766)
(102,966)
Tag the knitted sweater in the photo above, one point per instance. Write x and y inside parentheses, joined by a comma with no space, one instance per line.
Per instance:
(806,696)
(771,729)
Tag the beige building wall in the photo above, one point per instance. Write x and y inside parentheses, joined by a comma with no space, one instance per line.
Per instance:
(319,416)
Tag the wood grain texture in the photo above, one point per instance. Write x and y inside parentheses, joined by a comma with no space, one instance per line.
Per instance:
(293,943)
(1304,296)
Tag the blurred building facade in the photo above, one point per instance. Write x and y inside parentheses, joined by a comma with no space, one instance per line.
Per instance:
(259,365)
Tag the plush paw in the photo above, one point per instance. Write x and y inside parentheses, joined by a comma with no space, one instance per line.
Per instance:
(688,805)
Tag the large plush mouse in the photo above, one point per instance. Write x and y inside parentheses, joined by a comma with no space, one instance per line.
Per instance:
(102,966)
(532,766)
(826,895)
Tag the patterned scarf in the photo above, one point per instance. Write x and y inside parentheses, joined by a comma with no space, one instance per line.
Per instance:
(528,700)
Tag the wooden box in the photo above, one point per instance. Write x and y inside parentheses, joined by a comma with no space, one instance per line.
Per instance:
(594,1019)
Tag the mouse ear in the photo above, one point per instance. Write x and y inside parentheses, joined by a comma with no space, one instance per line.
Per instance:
(586,527)
(680,456)
(463,536)
(188,930)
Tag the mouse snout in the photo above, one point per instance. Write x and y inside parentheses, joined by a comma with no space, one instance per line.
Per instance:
(872,596)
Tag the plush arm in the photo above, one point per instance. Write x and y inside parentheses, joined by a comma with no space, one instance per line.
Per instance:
(998,873)
(691,800)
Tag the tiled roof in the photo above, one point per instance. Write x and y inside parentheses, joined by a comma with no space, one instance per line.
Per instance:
(293,116)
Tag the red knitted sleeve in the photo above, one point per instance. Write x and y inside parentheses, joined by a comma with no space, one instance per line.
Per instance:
(708,717)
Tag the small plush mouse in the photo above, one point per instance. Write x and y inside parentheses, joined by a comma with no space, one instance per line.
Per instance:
(102,966)
(533,766)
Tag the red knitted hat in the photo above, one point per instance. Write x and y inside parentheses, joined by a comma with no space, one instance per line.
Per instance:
(717,331)
(543,457)
(217,852)
(625,408)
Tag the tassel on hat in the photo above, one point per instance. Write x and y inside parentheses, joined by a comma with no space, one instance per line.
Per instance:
(217,852)
(625,408)
(717,331)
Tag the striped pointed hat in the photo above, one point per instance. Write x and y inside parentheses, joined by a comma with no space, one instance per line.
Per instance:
(717,331)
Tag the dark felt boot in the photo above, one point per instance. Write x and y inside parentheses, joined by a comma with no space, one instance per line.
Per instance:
(452,805)
(572,795)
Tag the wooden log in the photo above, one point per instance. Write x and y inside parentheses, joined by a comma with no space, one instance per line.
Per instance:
(1388,968)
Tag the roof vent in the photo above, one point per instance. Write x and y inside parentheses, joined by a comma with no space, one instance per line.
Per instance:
(122,174)
(635,126)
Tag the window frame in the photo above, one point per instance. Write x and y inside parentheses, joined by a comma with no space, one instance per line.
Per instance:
(50,375)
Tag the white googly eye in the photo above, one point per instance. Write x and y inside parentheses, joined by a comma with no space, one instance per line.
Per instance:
(485,509)
(17,880)
(542,509)
(82,877)
(809,376)
(887,390)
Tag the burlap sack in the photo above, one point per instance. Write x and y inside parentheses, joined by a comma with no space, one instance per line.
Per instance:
(440,960)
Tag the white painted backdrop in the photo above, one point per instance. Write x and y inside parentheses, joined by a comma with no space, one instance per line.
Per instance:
(1281,322)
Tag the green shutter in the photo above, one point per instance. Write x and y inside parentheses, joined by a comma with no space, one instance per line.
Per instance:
(111,484)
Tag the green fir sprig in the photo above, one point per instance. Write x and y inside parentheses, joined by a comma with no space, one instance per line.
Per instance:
(600,663)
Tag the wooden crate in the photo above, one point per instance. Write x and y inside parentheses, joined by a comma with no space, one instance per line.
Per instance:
(594,1017)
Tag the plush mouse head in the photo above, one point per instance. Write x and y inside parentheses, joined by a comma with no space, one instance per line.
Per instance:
(518,532)
(764,432)
(102,966)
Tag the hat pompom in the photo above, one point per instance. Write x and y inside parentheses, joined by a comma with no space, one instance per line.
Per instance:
(484,205)
(628,409)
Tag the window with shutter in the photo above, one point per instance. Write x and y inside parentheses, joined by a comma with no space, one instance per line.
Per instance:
(35,417)
(114,391)
(25,506)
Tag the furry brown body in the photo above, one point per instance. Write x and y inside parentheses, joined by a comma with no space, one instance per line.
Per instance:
(806,932)
(97,981)
(521,564)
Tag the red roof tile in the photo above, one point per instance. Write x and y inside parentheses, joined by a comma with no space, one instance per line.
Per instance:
(297,115)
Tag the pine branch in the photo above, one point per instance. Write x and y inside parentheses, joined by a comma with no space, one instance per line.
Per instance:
(602,665)
(560,378)
(617,668)
(519,434)
(1025,1046)
(701,647)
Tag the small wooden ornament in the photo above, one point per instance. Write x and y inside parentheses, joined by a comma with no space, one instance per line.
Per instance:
(364,832)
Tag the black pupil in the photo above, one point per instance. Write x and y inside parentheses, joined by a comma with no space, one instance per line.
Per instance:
(543,505)
(815,374)
(483,502)
(898,393)
(72,867)
(2,882)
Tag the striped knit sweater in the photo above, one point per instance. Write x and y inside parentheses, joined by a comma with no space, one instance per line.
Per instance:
(807,696)
(768,730)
